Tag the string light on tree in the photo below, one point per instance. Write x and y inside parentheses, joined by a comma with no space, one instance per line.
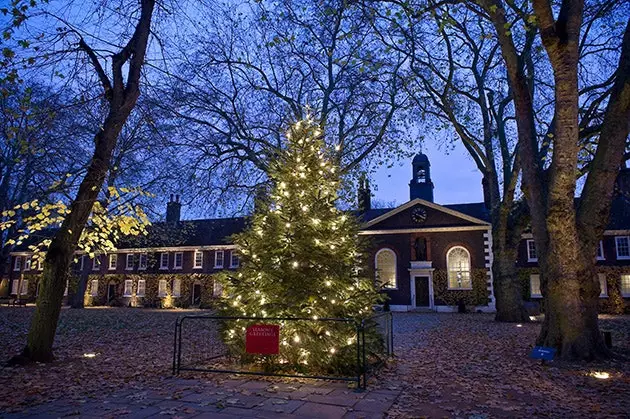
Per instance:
(305,259)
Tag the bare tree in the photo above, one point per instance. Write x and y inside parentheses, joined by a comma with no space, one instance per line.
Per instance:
(250,68)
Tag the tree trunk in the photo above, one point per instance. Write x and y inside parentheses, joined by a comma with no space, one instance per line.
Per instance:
(78,300)
(507,285)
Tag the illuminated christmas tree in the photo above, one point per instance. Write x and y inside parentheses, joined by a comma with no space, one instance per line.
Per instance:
(301,257)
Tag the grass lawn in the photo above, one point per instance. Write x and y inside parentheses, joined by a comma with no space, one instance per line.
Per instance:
(447,365)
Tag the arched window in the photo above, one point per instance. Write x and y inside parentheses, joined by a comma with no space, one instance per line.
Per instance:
(385,264)
(458,263)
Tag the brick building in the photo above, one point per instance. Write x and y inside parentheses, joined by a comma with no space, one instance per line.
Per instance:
(424,256)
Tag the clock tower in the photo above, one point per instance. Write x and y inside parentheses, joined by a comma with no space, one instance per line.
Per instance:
(421,185)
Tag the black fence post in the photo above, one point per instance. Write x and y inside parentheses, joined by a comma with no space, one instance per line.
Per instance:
(179,347)
(364,360)
(175,347)
(359,368)
(391,333)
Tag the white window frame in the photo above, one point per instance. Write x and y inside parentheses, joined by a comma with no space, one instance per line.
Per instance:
(600,251)
(162,291)
(96,263)
(216,259)
(385,286)
(94,288)
(234,254)
(144,257)
(603,285)
(27,263)
(113,262)
(217,289)
(176,290)
(129,258)
(40,264)
(128,289)
(200,264)
(617,240)
(470,278)
(626,293)
(181,261)
(529,251)
(531,288)
(17,264)
(24,290)
(162,265)
(142,288)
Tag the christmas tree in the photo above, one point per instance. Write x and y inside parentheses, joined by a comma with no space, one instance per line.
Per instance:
(301,257)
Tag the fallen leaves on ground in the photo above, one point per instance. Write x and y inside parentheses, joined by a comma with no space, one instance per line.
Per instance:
(131,346)
(447,365)
(454,365)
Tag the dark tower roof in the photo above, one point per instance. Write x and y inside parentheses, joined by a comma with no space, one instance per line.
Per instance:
(420,158)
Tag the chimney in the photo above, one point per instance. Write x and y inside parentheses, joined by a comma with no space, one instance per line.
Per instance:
(364,195)
(486,192)
(173,210)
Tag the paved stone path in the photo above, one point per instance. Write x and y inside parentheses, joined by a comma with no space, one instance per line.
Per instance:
(243,397)
(231,398)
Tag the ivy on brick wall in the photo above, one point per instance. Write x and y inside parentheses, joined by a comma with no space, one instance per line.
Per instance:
(151,297)
(477,296)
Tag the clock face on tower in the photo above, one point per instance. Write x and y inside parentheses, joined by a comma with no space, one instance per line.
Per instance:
(419,215)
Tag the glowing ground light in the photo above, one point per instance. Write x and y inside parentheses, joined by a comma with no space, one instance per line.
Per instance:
(519,325)
(600,375)
(532,318)
(89,355)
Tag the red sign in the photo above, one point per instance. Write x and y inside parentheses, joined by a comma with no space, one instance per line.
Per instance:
(263,339)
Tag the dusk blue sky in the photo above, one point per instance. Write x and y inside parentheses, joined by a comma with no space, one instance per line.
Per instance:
(455,177)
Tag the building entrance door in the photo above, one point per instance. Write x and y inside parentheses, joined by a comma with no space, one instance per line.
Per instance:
(422,291)
(196,295)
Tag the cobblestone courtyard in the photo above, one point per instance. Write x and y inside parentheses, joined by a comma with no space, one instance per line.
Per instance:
(447,365)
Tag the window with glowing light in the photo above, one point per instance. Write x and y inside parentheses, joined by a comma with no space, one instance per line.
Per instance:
(603,286)
(177,288)
(534,286)
(27,264)
(458,264)
(625,285)
(217,289)
(385,266)
(162,288)
(14,286)
(94,288)
(142,287)
(128,288)
(24,289)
